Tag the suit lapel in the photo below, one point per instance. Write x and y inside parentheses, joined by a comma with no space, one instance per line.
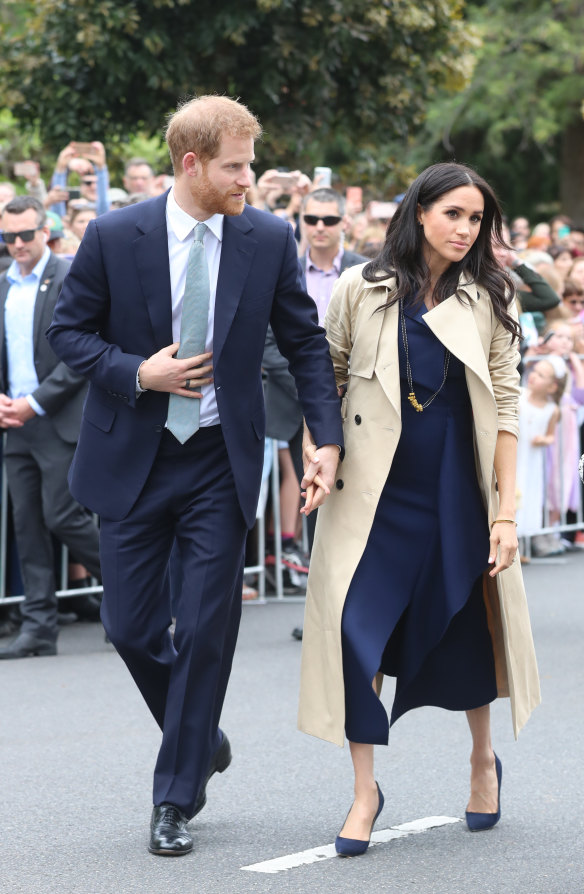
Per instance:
(151,254)
(43,291)
(237,252)
(4,286)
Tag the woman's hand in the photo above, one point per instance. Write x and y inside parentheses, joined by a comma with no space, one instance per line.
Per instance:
(504,545)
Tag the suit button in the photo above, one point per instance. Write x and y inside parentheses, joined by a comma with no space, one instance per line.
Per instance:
(357,419)
(340,484)
(158,428)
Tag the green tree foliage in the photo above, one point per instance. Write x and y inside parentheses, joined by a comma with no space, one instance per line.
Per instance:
(339,82)
(519,121)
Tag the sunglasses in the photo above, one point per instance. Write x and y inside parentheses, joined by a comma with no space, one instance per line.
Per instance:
(89,181)
(329,221)
(25,235)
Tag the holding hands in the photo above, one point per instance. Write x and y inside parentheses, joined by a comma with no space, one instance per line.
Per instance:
(320,466)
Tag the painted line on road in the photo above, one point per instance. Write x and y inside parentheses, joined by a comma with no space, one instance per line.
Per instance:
(327,851)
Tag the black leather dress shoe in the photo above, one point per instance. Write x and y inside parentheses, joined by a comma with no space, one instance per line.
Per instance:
(26,645)
(219,763)
(297,633)
(169,836)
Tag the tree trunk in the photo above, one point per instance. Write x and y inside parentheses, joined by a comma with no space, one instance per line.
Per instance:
(572,172)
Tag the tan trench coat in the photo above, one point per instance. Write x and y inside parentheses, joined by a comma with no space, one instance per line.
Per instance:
(372,426)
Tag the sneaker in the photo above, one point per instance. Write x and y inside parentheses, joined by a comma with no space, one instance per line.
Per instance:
(295,559)
(545,545)
(293,583)
(579,540)
(556,544)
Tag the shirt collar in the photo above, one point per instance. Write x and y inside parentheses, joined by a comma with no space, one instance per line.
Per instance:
(182,224)
(13,274)
(310,265)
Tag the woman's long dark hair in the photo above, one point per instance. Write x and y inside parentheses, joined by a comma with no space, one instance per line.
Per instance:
(402,254)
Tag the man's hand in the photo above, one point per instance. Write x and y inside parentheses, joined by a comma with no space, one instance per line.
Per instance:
(320,466)
(14,413)
(164,372)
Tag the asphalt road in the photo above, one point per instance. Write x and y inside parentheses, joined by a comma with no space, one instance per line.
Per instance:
(77,747)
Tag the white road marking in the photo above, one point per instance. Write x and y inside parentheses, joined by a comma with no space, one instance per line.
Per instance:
(327,851)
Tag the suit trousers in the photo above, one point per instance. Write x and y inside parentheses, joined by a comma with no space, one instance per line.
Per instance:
(37,462)
(189,498)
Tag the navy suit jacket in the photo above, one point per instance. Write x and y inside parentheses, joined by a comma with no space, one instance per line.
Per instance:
(115,310)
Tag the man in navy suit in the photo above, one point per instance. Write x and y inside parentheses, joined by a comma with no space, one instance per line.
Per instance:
(118,322)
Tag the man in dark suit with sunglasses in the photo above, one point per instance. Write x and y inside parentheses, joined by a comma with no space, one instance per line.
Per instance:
(41,402)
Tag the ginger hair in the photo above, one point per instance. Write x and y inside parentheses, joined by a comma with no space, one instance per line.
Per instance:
(199,124)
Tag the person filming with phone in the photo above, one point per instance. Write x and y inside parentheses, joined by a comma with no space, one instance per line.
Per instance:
(88,160)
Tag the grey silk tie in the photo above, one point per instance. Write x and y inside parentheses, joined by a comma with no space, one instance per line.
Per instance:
(184,412)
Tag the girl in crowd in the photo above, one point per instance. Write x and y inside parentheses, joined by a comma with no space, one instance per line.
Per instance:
(416,546)
(538,416)
(563,482)
(79,217)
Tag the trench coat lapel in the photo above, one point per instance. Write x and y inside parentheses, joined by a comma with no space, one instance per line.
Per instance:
(380,333)
(387,364)
(453,322)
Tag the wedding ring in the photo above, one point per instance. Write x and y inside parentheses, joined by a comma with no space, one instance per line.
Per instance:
(188,384)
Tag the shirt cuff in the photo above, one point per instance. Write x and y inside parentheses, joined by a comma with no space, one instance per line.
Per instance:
(35,405)
(139,389)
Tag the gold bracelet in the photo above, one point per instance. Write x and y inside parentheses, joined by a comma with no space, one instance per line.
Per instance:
(504,521)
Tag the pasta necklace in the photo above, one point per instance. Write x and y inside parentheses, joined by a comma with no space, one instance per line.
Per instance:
(418,407)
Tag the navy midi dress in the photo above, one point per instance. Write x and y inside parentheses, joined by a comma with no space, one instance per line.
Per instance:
(415,609)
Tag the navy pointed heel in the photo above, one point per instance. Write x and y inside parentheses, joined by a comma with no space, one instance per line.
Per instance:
(354,847)
(480,822)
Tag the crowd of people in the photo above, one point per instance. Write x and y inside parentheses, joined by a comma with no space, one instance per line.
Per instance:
(334,229)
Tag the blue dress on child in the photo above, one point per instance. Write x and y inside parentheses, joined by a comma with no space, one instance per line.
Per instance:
(415,607)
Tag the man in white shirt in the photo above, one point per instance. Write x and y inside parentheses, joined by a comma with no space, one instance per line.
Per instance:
(40,408)
(171,444)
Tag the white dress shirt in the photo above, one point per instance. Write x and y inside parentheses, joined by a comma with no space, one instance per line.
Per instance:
(18,328)
(180,227)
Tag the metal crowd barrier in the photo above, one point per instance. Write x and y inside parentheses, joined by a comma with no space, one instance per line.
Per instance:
(270,484)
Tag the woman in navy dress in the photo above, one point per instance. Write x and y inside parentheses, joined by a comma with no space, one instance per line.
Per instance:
(414,608)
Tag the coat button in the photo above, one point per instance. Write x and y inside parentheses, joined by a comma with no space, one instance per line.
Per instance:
(340,484)
(158,428)
(357,419)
